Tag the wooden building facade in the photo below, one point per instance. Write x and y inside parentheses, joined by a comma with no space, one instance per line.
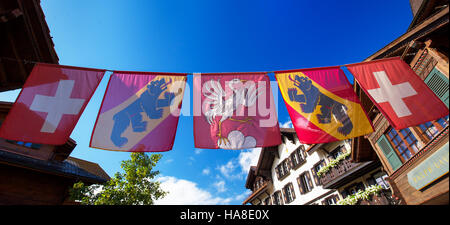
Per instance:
(33,173)
(415,158)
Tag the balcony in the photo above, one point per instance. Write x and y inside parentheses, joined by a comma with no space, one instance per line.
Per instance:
(346,171)
(257,191)
(383,198)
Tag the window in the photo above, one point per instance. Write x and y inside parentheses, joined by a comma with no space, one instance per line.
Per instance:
(316,169)
(443,121)
(297,157)
(331,200)
(267,201)
(353,189)
(429,129)
(277,200)
(380,179)
(404,142)
(305,183)
(288,191)
(432,128)
(283,169)
(337,152)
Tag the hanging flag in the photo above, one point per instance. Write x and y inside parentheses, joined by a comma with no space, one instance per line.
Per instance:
(402,96)
(322,105)
(139,112)
(234,111)
(50,104)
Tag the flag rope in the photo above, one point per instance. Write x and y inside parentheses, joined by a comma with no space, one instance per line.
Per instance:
(193,73)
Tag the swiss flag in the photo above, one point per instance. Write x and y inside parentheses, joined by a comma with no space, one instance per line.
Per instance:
(50,104)
(402,96)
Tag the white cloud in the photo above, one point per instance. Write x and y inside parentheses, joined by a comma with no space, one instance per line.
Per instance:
(229,170)
(244,161)
(249,158)
(243,195)
(206,171)
(185,192)
(220,186)
(198,151)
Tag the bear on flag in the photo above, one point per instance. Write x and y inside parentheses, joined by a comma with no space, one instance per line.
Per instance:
(322,105)
(139,112)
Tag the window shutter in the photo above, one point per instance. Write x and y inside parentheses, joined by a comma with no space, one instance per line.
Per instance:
(308,178)
(280,198)
(301,158)
(277,171)
(274,200)
(288,164)
(300,185)
(389,152)
(316,178)
(438,83)
(284,194)
(291,156)
(291,187)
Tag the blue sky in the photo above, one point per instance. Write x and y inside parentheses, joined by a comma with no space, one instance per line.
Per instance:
(210,36)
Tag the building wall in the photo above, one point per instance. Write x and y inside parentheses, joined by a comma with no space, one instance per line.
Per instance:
(399,172)
(428,61)
(24,187)
(431,192)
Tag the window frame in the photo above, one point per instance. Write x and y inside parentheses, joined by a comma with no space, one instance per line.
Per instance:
(422,133)
(306,183)
(404,141)
(285,169)
(298,152)
(277,198)
(289,194)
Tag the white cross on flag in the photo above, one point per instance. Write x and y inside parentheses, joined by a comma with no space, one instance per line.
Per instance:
(50,104)
(402,96)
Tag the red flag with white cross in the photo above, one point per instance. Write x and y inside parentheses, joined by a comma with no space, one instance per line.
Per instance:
(398,92)
(50,104)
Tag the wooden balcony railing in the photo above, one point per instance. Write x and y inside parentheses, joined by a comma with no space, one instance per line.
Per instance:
(337,171)
(382,198)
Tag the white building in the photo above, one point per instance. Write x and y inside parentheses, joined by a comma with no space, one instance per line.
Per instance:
(285,174)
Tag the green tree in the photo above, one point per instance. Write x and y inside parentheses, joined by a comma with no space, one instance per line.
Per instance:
(134,187)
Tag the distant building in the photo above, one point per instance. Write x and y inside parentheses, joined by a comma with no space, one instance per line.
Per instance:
(415,158)
(287,174)
(33,173)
